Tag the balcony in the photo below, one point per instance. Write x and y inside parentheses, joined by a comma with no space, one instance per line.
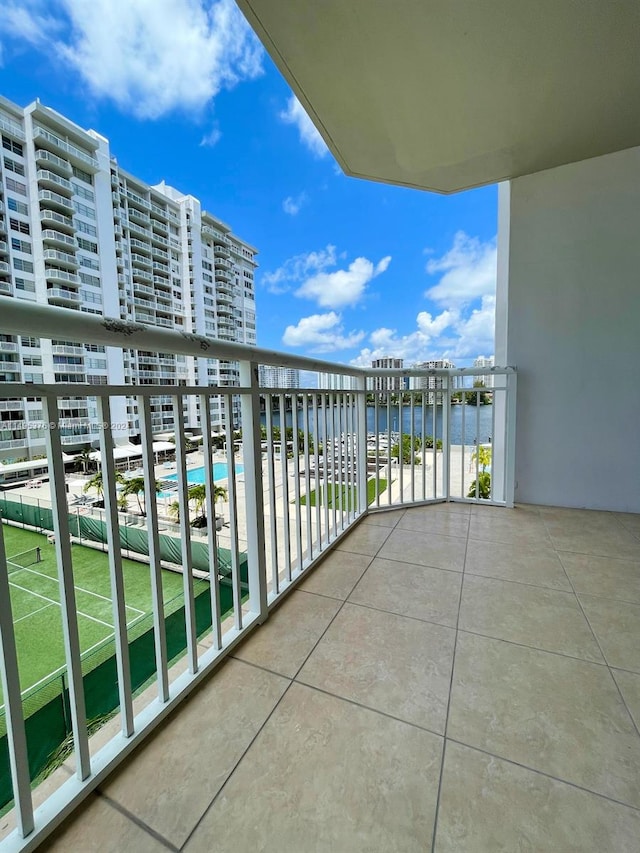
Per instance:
(45,137)
(50,235)
(54,181)
(53,161)
(54,200)
(56,219)
(60,258)
(63,295)
(404,664)
(52,274)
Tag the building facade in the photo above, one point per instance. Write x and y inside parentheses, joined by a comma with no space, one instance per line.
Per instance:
(486,363)
(278,377)
(79,232)
(388,383)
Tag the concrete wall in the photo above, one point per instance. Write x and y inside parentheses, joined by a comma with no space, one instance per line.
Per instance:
(571,283)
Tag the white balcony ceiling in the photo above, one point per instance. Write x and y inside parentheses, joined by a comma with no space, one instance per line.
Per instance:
(446,95)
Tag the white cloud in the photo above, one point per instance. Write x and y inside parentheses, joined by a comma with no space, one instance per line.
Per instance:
(28,21)
(342,287)
(292,205)
(476,333)
(420,345)
(295,114)
(298,267)
(212,138)
(469,269)
(321,333)
(149,56)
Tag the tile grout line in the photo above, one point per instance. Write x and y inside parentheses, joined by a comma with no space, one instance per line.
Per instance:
(546,775)
(269,716)
(116,806)
(597,640)
(446,721)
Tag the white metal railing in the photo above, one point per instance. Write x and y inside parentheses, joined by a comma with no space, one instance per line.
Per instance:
(308,463)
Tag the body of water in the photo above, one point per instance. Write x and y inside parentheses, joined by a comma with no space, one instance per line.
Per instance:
(477,421)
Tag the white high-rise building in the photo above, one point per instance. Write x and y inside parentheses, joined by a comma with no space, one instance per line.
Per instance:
(79,232)
(278,377)
(388,383)
(484,362)
(431,383)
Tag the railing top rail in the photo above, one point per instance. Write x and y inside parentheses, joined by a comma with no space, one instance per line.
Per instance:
(17,317)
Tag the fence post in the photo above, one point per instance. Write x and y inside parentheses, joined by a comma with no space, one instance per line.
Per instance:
(510,444)
(360,383)
(10,679)
(252,458)
(446,435)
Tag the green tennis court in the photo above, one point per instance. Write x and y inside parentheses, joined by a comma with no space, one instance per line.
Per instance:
(36,603)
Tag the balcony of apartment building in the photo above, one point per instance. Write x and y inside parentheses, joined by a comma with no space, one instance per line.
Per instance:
(424,667)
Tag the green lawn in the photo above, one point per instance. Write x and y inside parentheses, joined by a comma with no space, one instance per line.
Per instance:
(349,496)
(35,601)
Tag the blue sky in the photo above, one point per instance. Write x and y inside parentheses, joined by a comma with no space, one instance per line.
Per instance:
(184,92)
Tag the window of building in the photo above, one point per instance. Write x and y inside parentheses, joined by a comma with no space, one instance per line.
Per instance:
(20,245)
(13,166)
(27,286)
(83,210)
(10,145)
(32,360)
(87,245)
(97,363)
(85,228)
(91,280)
(83,192)
(16,186)
(18,206)
(18,225)
(25,266)
(89,262)
(82,175)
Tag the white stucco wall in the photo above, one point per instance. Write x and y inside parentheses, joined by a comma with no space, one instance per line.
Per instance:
(571,282)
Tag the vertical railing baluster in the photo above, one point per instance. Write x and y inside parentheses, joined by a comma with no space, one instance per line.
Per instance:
(284,465)
(341,458)
(253,488)
(511,380)
(434,422)
(271,481)
(412,439)
(307,479)
(68,605)
(423,430)
(322,493)
(464,439)
(376,427)
(14,716)
(185,534)
(115,565)
(296,483)
(332,432)
(316,478)
(361,445)
(155,567)
(233,512)
(389,447)
(478,444)
(210,508)
(446,437)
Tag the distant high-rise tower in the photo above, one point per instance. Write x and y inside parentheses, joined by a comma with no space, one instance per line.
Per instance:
(388,383)
(484,362)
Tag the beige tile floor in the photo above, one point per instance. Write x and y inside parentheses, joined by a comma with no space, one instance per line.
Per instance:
(450,678)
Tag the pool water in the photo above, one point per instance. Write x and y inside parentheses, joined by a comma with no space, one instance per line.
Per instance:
(196,475)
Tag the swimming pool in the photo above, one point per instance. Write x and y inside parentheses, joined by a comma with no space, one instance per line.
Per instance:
(196,475)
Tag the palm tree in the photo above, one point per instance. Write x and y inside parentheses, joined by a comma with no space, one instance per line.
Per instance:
(136,486)
(198,494)
(84,460)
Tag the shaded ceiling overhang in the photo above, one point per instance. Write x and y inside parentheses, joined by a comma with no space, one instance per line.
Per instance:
(445,95)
